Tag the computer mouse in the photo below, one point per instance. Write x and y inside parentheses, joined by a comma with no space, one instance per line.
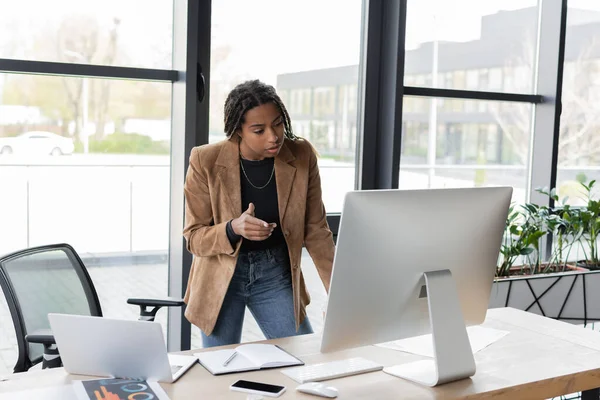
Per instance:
(318,389)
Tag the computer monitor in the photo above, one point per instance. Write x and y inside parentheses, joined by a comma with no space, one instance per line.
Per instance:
(414,262)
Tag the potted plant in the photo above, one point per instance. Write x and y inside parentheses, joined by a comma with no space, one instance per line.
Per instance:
(550,286)
(587,219)
(526,227)
(521,241)
(565,230)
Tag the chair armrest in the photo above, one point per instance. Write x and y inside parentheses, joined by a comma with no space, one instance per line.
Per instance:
(150,314)
(42,336)
(51,358)
(165,302)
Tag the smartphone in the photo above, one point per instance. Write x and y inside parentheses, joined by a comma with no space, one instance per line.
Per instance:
(258,388)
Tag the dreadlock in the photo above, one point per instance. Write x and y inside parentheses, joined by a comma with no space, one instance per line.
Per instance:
(248,95)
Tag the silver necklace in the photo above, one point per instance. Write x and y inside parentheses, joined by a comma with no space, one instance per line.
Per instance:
(248,179)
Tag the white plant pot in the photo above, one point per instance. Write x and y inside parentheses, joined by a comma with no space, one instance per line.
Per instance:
(568,296)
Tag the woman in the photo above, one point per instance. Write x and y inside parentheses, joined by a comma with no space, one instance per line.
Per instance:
(252,201)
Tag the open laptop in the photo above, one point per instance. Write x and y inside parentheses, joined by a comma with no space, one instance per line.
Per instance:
(116,348)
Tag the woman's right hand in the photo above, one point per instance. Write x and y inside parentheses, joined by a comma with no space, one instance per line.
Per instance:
(250,227)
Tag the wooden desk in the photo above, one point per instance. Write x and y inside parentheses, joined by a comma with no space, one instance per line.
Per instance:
(539,359)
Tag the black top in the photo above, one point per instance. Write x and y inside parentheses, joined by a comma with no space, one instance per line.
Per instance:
(266,207)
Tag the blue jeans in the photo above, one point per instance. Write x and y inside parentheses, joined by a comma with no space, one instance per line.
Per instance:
(262,281)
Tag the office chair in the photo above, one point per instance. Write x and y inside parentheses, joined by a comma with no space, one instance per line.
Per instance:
(53,278)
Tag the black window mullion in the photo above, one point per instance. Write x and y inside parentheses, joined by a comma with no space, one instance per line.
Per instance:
(381,89)
(191,56)
(472,94)
(87,70)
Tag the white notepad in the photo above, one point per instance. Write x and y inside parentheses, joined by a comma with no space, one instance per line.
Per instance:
(480,337)
(249,357)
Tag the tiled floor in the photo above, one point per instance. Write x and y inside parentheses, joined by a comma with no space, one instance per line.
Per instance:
(115,284)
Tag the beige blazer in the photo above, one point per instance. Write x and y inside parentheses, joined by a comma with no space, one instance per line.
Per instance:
(213,197)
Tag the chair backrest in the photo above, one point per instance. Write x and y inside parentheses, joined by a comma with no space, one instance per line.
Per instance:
(41,280)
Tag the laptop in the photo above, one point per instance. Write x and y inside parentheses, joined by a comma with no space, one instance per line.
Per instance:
(116,348)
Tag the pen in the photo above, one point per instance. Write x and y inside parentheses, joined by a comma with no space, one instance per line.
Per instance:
(231,357)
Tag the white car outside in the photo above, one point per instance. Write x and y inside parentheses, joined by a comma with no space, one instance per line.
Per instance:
(37,142)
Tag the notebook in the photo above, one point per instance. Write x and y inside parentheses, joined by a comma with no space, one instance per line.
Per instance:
(249,357)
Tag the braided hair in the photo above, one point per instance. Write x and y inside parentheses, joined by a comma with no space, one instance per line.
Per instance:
(248,95)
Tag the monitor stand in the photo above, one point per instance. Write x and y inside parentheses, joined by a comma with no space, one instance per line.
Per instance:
(453,357)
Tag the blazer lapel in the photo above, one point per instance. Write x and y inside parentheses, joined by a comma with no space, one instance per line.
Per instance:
(284,177)
(229,176)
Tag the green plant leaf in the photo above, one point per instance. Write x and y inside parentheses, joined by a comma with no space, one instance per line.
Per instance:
(526,251)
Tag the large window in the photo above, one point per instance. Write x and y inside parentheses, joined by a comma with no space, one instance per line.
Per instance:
(476,45)
(460,146)
(86,160)
(97,179)
(309,51)
(292,46)
(455,133)
(109,32)
(579,142)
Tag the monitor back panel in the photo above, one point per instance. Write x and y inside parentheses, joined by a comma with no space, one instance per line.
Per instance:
(388,238)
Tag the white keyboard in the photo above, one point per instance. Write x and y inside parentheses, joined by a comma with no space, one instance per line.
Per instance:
(331,370)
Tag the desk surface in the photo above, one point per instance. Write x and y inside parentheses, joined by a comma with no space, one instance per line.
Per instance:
(540,358)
